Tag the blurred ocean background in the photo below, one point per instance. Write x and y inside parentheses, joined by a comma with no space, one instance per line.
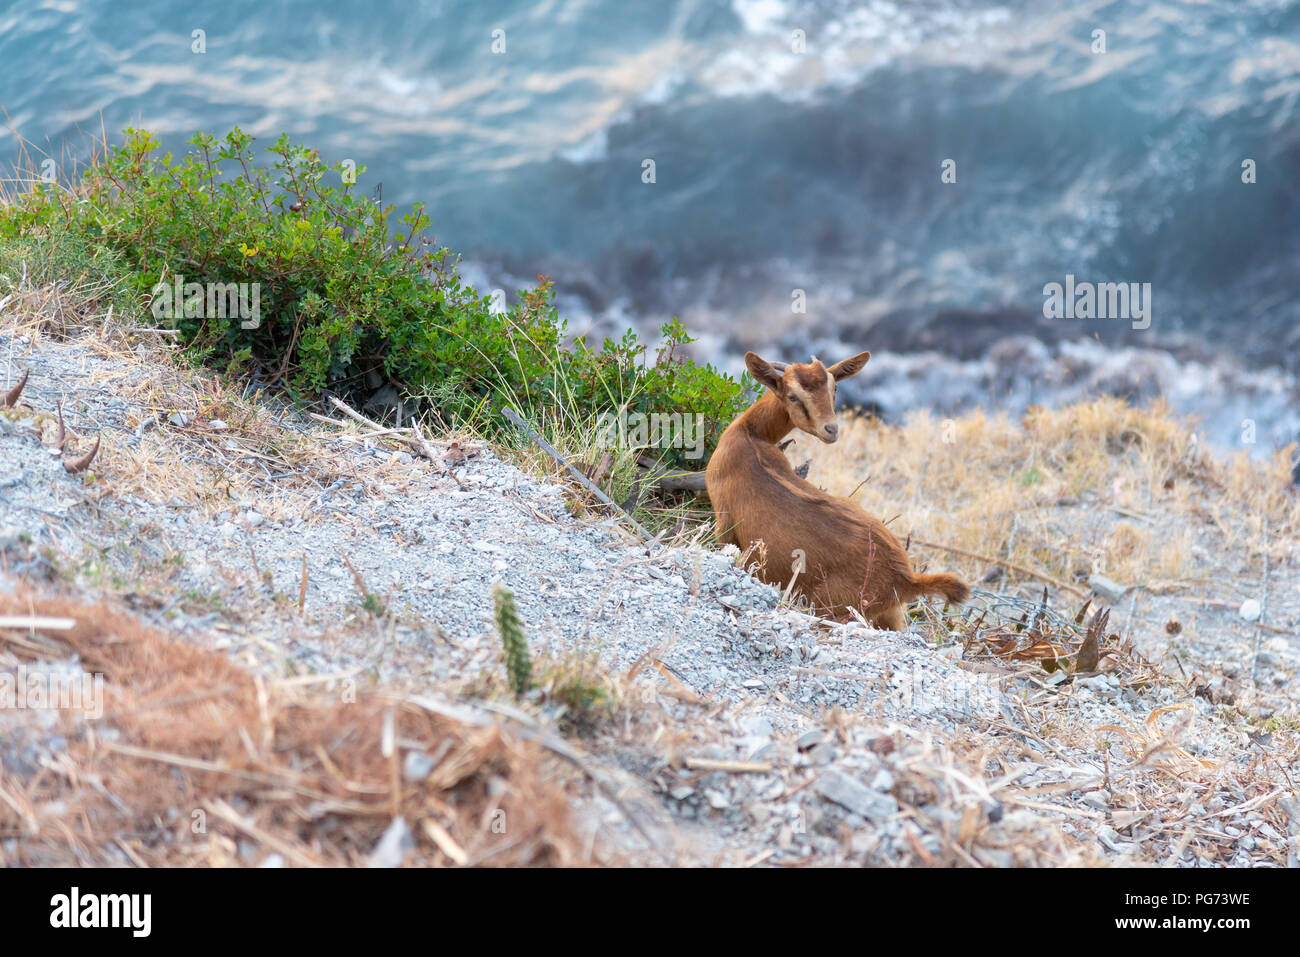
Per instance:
(778,171)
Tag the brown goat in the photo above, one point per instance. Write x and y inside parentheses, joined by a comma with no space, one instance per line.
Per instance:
(844,557)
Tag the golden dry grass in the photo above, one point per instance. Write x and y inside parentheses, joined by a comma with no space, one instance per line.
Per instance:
(1097,488)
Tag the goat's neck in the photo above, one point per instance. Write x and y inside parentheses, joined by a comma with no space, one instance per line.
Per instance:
(767,420)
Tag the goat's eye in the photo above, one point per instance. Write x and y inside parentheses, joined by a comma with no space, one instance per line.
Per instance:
(798,403)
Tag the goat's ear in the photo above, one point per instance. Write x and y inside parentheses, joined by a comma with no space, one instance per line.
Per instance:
(849,367)
(763,371)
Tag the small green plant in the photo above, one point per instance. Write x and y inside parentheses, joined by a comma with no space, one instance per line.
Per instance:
(578,683)
(1280,722)
(519,666)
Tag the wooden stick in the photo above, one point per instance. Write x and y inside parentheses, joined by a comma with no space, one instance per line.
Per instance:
(694,481)
(418,443)
(338,423)
(668,480)
(471,715)
(733,767)
(428,453)
(514,419)
(1263,607)
(1209,602)
(679,690)
(34,622)
(228,814)
(352,413)
(410,436)
(682,482)
(446,843)
(1029,572)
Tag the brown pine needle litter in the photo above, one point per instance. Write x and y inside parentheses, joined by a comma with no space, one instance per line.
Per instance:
(302,772)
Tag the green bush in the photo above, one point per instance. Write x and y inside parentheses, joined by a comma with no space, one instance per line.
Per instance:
(349,298)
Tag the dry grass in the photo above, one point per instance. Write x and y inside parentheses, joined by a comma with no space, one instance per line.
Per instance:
(1100,488)
(194,755)
(259,453)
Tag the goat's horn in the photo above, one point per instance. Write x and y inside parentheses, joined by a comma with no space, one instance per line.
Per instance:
(81,464)
(779,366)
(63,433)
(12,395)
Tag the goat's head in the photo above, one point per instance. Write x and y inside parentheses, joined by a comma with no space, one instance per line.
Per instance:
(807,390)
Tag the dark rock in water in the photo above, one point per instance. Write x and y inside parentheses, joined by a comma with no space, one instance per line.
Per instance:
(1019,353)
(967,334)
(1139,379)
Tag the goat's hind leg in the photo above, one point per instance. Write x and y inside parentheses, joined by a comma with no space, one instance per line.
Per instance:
(890,619)
(725,530)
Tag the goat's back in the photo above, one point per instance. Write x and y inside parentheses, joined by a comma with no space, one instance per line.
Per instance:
(848,557)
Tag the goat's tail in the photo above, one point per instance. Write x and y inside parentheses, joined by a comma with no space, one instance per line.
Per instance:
(949,586)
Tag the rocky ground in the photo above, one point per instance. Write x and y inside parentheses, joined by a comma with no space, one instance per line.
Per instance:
(730,728)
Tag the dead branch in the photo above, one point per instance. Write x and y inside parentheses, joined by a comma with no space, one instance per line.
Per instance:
(411,436)
(517,421)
